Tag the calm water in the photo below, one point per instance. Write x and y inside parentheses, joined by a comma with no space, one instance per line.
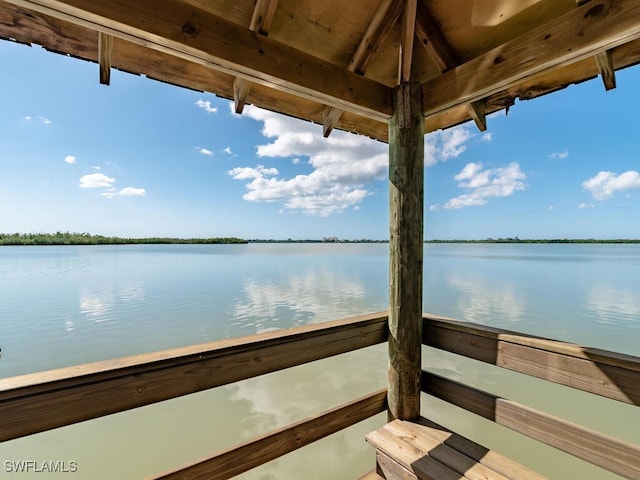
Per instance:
(67,305)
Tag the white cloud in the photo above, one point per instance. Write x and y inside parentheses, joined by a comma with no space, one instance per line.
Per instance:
(96,167)
(70,159)
(245,173)
(96,180)
(343,165)
(228,151)
(559,155)
(206,106)
(605,184)
(40,118)
(487,137)
(485,184)
(584,206)
(443,145)
(132,192)
(551,208)
(125,192)
(204,151)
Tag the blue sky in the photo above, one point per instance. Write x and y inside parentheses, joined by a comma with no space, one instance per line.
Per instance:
(141,158)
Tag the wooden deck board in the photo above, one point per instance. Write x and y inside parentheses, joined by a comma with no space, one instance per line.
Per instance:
(426,451)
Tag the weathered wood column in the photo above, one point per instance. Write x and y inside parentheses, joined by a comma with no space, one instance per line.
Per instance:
(406,176)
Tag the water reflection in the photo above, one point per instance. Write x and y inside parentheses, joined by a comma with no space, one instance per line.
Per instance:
(613,305)
(96,305)
(299,299)
(477,300)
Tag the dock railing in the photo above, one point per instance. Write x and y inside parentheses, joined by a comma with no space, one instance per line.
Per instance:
(46,400)
(42,401)
(611,375)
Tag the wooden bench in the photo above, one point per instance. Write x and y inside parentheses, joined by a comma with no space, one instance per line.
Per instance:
(426,451)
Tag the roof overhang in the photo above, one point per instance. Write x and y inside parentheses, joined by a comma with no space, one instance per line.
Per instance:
(341,70)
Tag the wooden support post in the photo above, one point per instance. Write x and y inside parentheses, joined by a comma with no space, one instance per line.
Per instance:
(406,189)
(105,46)
(605,67)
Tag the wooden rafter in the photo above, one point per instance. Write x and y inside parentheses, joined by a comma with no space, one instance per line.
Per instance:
(406,40)
(604,62)
(260,22)
(181,30)
(105,47)
(379,27)
(439,49)
(581,33)
(263,16)
(605,67)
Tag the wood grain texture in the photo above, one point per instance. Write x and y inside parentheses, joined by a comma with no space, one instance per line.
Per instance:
(589,29)
(402,452)
(406,41)
(425,450)
(186,31)
(436,45)
(609,374)
(605,67)
(384,17)
(260,22)
(105,47)
(391,470)
(42,401)
(617,456)
(244,457)
(495,461)
(406,194)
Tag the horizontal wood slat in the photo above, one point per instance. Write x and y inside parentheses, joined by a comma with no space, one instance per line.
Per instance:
(609,374)
(42,401)
(244,457)
(423,450)
(489,458)
(614,455)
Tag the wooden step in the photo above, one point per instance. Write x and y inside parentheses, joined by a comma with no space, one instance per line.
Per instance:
(372,475)
(423,450)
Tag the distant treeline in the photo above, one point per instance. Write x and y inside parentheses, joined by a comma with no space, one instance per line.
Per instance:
(542,240)
(66,238)
(311,240)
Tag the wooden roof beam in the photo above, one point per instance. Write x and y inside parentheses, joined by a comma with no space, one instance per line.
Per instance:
(594,27)
(379,27)
(105,47)
(439,49)
(406,40)
(604,62)
(260,22)
(185,31)
(605,67)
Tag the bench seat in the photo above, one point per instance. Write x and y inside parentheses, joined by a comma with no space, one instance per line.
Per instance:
(424,450)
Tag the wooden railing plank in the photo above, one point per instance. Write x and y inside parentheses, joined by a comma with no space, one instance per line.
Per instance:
(614,455)
(42,401)
(244,457)
(612,375)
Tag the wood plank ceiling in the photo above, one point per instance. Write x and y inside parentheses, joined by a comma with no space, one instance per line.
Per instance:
(335,62)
